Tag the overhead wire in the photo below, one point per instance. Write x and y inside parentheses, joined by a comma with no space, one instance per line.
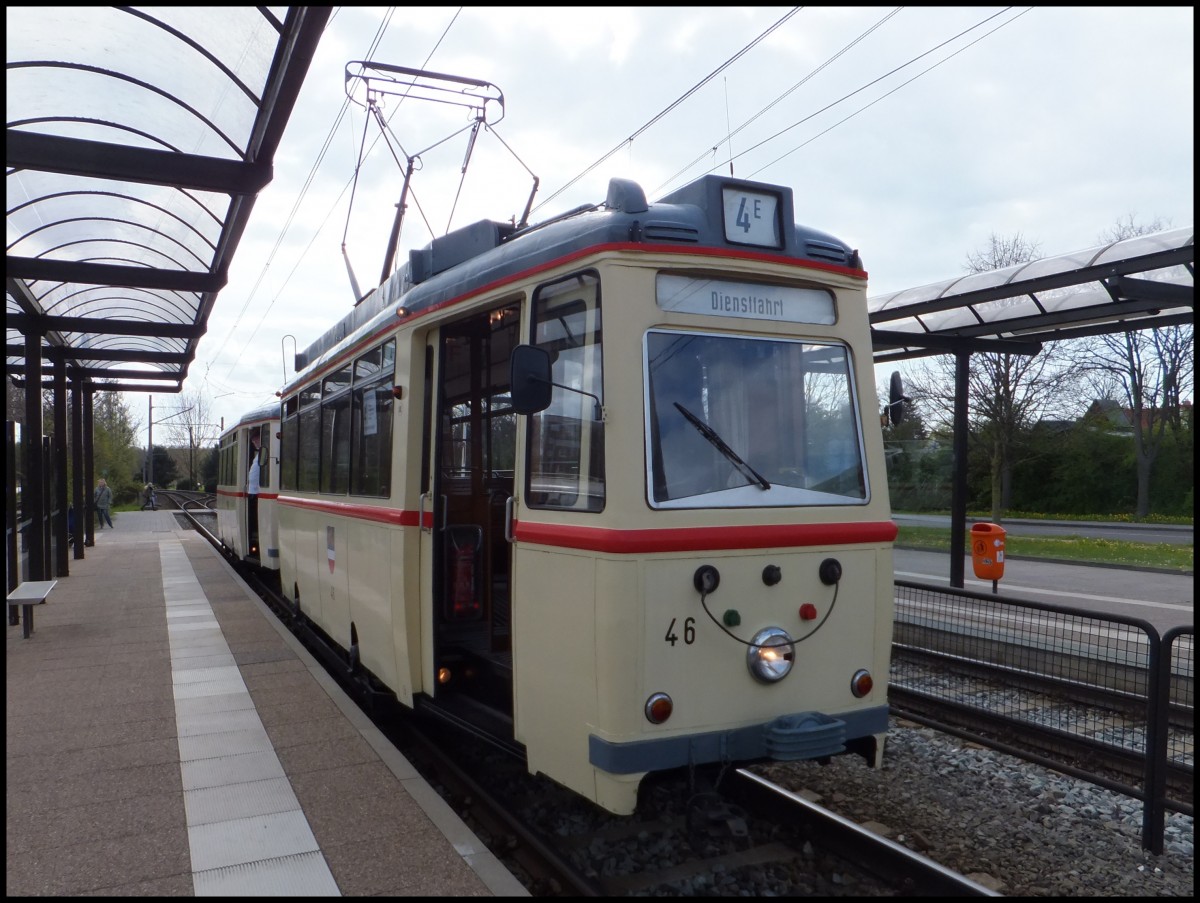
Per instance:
(302,194)
(778,100)
(688,93)
(875,81)
(904,84)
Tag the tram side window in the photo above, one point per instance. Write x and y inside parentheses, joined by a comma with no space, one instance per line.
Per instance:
(335,432)
(289,429)
(335,444)
(227,476)
(308,467)
(566,441)
(371,426)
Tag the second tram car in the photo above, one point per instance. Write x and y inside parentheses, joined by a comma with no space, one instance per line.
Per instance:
(247,524)
(611,487)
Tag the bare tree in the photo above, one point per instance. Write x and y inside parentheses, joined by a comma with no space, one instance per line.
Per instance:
(14,402)
(1153,368)
(193,429)
(1003,252)
(1008,393)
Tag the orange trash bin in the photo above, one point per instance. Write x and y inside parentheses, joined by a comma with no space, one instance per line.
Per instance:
(987,551)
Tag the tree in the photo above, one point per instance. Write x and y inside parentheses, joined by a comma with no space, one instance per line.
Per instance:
(114,456)
(911,425)
(210,469)
(14,401)
(192,429)
(1008,393)
(1154,370)
(165,471)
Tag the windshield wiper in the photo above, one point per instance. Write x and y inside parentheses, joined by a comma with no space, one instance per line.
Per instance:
(719,444)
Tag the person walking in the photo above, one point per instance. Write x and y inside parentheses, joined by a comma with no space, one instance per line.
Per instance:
(103,499)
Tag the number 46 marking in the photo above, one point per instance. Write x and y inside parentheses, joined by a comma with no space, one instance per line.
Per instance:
(689,632)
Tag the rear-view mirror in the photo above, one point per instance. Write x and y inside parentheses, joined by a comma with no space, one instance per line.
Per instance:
(529,381)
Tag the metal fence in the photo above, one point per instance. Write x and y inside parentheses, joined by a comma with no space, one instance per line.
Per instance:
(1065,679)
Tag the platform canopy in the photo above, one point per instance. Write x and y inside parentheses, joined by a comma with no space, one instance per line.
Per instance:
(1136,283)
(136,143)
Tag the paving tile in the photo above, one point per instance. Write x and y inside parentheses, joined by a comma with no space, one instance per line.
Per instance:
(132,816)
(48,791)
(357,801)
(65,871)
(386,864)
(316,757)
(88,736)
(173,886)
(293,733)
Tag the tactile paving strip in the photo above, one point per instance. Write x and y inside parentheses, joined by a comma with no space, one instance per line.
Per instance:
(247,833)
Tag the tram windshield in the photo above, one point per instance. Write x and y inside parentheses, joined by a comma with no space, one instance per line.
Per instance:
(740,421)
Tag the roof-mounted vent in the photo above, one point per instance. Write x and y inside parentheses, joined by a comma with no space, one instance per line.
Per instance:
(827,251)
(670,233)
(626,195)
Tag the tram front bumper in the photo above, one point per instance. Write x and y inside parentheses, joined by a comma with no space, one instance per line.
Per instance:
(788,738)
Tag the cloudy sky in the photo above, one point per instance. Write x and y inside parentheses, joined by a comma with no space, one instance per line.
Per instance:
(913,134)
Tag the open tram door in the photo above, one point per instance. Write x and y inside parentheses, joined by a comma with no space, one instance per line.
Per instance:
(470,440)
(257,441)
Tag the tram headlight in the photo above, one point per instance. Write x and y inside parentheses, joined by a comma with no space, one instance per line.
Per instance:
(771,655)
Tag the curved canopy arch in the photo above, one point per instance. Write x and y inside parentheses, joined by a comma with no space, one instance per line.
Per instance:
(131,175)
(1135,283)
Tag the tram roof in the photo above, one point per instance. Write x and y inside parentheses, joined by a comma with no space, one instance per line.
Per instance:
(1135,283)
(137,141)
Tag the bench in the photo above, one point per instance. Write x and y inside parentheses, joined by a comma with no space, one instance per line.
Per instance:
(27,595)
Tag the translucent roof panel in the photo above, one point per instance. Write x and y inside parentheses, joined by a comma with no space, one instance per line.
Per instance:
(1135,283)
(137,139)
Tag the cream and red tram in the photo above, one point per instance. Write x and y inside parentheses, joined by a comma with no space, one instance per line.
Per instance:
(611,487)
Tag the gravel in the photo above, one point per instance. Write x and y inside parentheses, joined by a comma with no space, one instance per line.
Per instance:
(1012,826)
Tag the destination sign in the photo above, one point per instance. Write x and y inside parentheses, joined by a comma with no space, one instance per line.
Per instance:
(724,298)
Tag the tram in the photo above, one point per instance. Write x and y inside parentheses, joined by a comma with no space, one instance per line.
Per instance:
(609,487)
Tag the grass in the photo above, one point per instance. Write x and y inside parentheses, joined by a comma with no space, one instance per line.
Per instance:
(1063,548)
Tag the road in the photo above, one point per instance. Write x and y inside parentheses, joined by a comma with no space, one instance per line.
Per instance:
(1165,600)
(1176,535)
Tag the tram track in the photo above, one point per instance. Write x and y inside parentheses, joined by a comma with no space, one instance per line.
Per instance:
(909,871)
(750,837)
(1080,745)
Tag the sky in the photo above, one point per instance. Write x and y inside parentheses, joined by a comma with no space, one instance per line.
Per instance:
(913,134)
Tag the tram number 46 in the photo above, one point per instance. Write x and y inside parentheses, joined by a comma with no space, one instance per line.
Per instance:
(689,632)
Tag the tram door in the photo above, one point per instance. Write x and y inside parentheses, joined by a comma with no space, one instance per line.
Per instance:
(473,428)
(257,477)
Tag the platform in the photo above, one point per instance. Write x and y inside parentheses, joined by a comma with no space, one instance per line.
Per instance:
(167,736)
